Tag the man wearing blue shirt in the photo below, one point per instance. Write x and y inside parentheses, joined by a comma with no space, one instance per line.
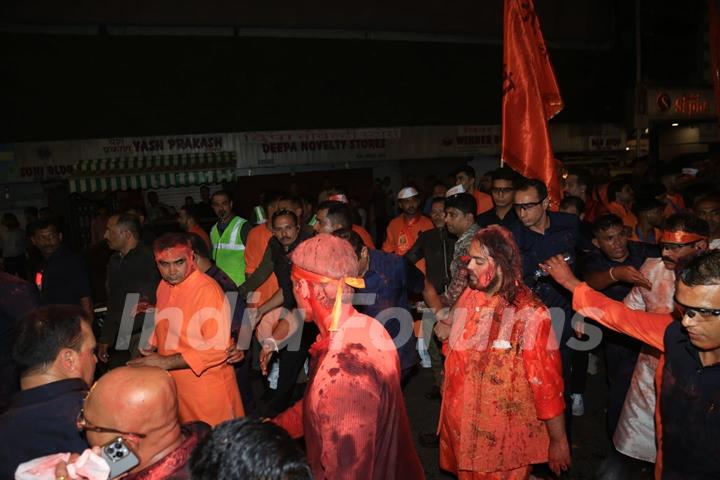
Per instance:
(540,235)
(388,279)
(55,348)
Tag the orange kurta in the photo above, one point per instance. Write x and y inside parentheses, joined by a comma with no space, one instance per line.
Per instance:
(636,238)
(257,242)
(193,319)
(364,235)
(502,380)
(675,204)
(628,218)
(402,235)
(197,230)
(484,201)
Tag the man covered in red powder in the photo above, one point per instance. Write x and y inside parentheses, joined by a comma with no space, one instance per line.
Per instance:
(353,414)
(503,394)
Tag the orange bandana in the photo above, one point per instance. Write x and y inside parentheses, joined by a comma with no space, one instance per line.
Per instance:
(300,273)
(680,237)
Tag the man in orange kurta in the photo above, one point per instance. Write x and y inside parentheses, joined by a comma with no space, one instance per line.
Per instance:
(465,176)
(192,336)
(503,407)
(621,196)
(257,243)
(336,214)
(403,230)
(189,220)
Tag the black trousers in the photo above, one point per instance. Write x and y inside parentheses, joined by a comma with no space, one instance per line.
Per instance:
(291,361)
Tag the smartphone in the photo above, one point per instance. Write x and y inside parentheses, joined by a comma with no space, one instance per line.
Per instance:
(119,456)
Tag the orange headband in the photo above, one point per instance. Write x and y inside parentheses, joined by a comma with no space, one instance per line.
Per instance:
(680,237)
(338,197)
(300,273)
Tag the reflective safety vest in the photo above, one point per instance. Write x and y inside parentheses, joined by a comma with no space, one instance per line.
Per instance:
(229,249)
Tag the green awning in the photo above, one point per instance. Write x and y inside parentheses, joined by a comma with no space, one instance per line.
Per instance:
(153,172)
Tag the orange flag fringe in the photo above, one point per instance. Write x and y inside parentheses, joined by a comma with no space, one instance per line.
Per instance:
(530,98)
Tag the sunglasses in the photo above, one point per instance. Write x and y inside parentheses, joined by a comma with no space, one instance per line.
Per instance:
(674,247)
(692,311)
(83,424)
(529,205)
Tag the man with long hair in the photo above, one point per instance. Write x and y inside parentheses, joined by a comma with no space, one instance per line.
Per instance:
(503,393)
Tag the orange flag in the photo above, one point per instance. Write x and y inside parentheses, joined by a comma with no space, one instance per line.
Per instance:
(530,98)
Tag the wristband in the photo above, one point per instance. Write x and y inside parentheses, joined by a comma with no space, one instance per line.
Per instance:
(271,344)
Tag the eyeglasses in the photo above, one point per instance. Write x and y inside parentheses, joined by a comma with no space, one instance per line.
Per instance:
(674,247)
(527,206)
(502,190)
(692,311)
(83,424)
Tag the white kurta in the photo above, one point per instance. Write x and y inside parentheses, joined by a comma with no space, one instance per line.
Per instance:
(635,432)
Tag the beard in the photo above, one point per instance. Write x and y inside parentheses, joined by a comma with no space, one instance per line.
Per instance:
(683,261)
(474,283)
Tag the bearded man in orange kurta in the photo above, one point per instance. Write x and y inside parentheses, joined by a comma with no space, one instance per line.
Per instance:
(192,335)
(503,403)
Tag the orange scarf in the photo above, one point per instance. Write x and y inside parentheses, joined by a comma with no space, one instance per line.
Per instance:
(680,237)
(300,273)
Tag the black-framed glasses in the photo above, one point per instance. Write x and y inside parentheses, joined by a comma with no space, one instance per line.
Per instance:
(82,424)
(674,247)
(692,311)
(529,205)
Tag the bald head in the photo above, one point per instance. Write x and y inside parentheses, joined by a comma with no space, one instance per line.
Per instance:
(327,255)
(135,399)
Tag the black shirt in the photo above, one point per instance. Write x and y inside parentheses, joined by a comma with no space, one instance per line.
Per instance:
(229,286)
(596,261)
(134,273)
(488,218)
(275,260)
(41,421)
(64,278)
(689,399)
(436,246)
(561,237)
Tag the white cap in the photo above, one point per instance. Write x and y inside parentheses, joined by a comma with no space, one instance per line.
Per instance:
(455,190)
(407,192)
(338,197)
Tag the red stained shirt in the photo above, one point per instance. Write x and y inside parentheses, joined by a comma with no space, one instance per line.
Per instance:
(502,379)
(353,414)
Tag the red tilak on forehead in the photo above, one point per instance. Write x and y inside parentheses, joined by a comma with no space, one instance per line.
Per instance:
(173,253)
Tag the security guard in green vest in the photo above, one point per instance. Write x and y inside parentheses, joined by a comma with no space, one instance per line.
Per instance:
(228,237)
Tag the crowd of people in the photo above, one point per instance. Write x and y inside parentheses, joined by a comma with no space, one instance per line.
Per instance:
(279,348)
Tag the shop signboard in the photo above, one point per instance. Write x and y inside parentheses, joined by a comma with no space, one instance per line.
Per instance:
(678,104)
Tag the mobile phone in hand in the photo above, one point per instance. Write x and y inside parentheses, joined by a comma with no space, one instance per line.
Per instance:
(119,456)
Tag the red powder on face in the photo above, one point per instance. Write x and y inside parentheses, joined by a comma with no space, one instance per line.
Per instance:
(485,273)
(173,253)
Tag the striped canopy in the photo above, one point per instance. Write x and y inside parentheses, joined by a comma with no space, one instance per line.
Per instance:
(152,172)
